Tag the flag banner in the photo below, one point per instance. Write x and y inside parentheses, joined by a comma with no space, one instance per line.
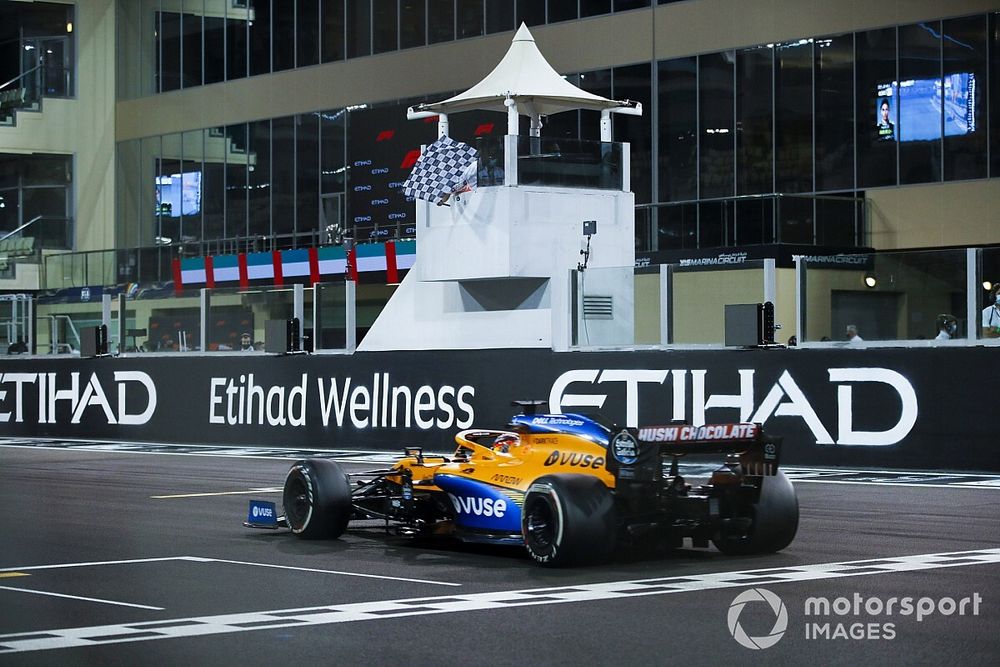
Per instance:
(445,167)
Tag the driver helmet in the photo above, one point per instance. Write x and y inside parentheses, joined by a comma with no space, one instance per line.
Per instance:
(504,442)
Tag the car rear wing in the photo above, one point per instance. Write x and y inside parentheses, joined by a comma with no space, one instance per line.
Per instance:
(632,450)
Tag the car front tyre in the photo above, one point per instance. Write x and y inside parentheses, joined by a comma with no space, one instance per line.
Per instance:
(317,499)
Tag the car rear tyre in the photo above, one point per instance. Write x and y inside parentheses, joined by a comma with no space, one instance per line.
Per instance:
(317,499)
(568,520)
(774,520)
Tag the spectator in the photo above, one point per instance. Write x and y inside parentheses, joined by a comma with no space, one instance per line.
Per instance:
(947,327)
(991,315)
(852,335)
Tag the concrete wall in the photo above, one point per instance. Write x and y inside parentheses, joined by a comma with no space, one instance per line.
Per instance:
(936,214)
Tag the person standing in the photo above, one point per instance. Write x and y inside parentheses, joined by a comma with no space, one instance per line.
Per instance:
(991,315)
(852,335)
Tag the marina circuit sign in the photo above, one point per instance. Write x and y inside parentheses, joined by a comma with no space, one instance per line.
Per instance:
(891,409)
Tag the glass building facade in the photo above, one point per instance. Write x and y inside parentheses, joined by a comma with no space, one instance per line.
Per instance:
(814,120)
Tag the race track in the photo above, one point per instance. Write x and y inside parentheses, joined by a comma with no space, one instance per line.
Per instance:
(137,555)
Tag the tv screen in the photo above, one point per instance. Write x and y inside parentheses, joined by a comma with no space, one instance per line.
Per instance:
(921,103)
(178,194)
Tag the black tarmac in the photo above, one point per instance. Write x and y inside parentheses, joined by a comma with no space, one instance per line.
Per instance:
(140,558)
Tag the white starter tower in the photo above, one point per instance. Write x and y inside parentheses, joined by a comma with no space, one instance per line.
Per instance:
(495,268)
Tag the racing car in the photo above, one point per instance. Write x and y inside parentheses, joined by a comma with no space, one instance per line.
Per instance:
(567,487)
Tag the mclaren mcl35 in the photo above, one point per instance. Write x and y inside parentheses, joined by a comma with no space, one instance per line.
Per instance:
(568,488)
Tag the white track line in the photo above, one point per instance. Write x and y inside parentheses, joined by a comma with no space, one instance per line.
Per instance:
(348,574)
(103,635)
(57,566)
(79,597)
(200,559)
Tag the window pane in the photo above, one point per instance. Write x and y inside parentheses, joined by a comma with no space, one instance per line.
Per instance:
(307,175)
(793,117)
(964,75)
(283,175)
(10,218)
(283,35)
(215,49)
(499,16)
(834,112)
(678,227)
(795,220)
(625,5)
(994,94)
(359,26)
(212,193)
(191,43)
(754,156)
(39,169)
(714,223)
(633,83)
(332,151)
(259,195)
(594,7)
(754,221)
(877,107)
(470,18)
(50,202)
(412,23)
(332,37)
(260,38)
(191,173)
(836,221)
(236,48)
(441,21)
(920,99)
(562,10)
(531,12)
(307,32)
(715,124)
(238,157)
(678,129)
(170,51)
(385,18)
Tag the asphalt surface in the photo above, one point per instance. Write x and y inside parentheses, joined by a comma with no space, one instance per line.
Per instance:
(124,558)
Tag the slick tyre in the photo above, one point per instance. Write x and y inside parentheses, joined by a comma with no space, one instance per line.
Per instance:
(774,521)
(317,499)
(568,520)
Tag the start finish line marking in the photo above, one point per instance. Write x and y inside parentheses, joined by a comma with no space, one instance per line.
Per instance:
(103,635)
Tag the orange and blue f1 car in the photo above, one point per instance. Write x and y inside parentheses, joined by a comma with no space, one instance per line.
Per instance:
(568,488)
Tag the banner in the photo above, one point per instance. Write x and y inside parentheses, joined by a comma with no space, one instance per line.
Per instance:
(899,408)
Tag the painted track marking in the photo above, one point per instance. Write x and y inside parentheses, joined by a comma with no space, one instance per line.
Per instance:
(79,597)
(368,611)
(269,489)
(201,559)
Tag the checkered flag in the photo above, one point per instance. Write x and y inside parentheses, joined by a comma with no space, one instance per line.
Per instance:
(445,167)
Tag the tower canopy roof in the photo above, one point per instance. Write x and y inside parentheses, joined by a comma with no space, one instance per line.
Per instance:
(524,76)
